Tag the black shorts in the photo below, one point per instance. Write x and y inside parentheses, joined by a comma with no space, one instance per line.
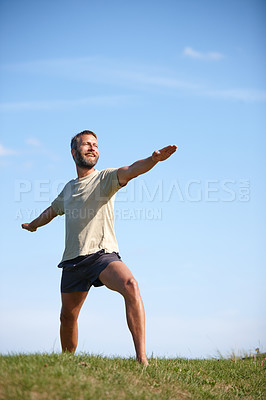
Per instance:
(80,273)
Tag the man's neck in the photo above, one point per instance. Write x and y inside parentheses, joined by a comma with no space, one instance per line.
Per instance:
(82,172)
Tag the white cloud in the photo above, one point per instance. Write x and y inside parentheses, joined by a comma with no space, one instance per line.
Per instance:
(4,151)
(164,82)
(119,73)
(102,70)
(62,104)
(33,142)
(215,56)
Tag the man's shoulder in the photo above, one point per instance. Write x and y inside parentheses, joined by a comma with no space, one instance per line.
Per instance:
(71,182)
(68,186)
(107,171)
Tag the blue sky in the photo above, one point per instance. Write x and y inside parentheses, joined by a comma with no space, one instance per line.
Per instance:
(142,75)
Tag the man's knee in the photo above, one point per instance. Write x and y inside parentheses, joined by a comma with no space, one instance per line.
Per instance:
(131,288)
(68,317)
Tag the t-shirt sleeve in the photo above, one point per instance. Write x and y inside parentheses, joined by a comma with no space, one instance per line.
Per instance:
(58,204)
(109,181)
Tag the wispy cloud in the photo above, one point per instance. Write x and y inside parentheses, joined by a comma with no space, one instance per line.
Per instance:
(61,104)
(118,73)
(4,151)
(213,55)
(164,82)
(34,147)
(32,141)
(103,70)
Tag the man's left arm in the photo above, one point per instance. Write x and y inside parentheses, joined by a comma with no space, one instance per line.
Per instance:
(125,174)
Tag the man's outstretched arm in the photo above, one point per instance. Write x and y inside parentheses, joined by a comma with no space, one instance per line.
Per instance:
(125,174)
(43,219)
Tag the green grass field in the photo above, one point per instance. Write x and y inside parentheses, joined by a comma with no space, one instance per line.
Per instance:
(65,376)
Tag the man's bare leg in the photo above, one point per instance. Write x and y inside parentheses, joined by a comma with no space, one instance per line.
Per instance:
(71,305)
(116,276)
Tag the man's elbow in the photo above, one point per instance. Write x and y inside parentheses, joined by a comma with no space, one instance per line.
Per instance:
(124,175)
(51,213)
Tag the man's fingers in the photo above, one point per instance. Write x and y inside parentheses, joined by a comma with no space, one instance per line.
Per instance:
(171,148)
(27,227)
(164,153)
(167,151)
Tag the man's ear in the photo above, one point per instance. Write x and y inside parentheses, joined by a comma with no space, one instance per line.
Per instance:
(73,153)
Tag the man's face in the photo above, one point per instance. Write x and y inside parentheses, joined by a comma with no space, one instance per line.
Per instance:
(86,155)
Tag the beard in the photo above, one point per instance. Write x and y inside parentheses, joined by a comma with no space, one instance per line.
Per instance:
(83,162)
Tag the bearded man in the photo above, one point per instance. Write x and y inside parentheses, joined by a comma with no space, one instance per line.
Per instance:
(91,255)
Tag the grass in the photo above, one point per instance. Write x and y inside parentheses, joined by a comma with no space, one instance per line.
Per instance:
(84,377)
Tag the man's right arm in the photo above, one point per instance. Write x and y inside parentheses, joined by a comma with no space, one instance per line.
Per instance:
(43,219)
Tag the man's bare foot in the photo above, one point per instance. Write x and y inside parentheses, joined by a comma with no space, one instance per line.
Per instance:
(143,361)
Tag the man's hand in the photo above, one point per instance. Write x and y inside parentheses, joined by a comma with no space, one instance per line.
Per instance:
(125,174)
(163,154)
(28,227)
(43,219)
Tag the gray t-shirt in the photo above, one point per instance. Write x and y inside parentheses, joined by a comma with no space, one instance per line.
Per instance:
(88,205)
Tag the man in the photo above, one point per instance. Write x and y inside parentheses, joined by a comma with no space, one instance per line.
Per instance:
(91,252)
